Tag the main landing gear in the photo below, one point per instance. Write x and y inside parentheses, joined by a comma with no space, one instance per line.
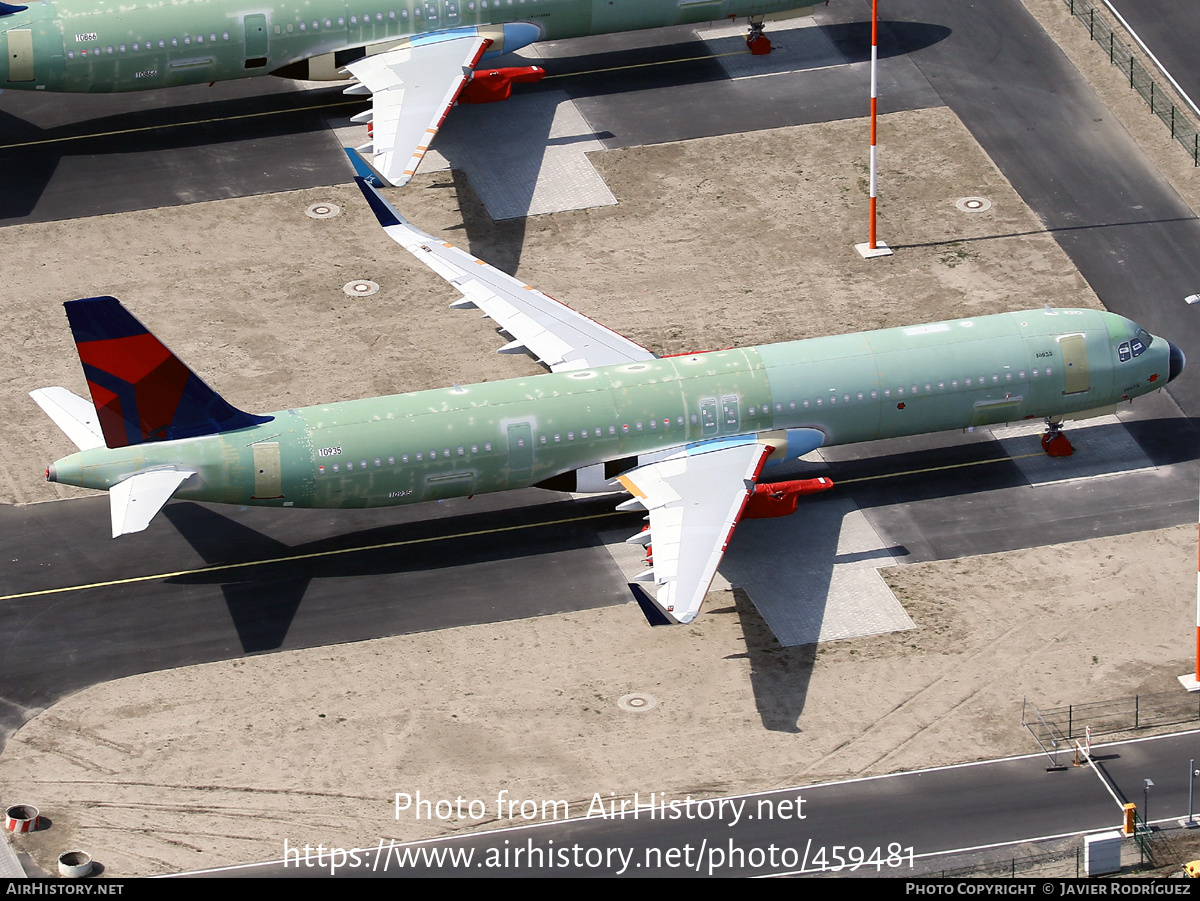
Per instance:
(759,43)
(1054,442)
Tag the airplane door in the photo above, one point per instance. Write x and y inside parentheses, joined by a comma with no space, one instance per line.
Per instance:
(730,411)
(268,473)
(1076,375)
(256,40)
(20,55)
(708,417)
(520,451)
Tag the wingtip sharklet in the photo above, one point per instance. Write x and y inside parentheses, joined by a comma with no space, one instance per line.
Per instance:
(365,170)
(384,211)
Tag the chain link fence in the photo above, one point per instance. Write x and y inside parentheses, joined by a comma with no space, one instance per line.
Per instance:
(1169,708)
(1140,79)
(1053,864)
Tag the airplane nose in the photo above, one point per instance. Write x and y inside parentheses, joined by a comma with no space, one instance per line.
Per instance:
(1177,362)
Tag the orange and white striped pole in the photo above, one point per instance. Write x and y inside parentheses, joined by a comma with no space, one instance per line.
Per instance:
(873,247)
(874,109)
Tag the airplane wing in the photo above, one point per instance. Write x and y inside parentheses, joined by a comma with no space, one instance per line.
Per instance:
(695,498)
(556,335)
(412,87)
(135,501)
(71,413)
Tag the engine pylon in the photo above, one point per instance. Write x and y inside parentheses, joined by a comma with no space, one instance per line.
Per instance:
(494,85)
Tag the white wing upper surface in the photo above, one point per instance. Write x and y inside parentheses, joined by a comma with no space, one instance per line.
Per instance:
(695,498)
(412,88)
(556,335)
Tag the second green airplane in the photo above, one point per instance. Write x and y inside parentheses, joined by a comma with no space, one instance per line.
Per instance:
(414,58)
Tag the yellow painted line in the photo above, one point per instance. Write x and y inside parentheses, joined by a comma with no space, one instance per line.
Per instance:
(411,541)
(913,472)
(317,106)
(130,131)
(661,62)
(316,554)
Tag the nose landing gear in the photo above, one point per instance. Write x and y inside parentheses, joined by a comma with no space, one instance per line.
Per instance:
(1054,442)
(759,43)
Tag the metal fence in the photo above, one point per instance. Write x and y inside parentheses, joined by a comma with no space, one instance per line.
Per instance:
(1169,708)
(1054,864)
(1140,80)
(1144,849)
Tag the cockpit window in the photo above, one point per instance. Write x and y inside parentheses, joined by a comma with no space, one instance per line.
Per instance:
(1134,347)
(1140,342)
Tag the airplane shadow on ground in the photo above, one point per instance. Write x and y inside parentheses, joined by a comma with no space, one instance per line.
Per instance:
(264,580)
(268,579)
(31,154)
(439,569)
(258,110)
(780,675)
(691,61)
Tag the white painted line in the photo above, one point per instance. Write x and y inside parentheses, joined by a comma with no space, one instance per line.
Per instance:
(774,791)
(1153,58)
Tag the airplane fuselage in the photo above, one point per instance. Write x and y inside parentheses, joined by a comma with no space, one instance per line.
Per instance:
(510,434)
(96,46)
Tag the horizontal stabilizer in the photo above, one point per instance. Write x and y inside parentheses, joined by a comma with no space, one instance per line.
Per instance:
(71,413)
(136,500)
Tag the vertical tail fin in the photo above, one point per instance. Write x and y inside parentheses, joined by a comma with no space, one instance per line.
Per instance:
(142,391)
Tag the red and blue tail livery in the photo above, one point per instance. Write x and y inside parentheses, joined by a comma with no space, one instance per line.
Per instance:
(141,390)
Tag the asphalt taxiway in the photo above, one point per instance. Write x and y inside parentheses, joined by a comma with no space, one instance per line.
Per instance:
(70,156)
(214,583)
(907,824)
(1171,33)
(1122,224)
(83,155)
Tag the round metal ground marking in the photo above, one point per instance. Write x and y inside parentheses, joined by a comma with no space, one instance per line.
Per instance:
(637,702)
(322,211)
(974,204)
(360,287)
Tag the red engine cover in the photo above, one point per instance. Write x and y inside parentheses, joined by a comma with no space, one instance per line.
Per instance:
(492,85)
(779,498)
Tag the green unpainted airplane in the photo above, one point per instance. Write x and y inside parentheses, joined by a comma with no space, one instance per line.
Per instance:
(415,57)
(692,437)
